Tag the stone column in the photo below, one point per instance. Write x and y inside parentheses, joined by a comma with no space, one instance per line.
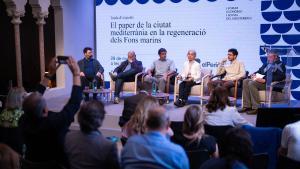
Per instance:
(16,21)
(40,12)
(61,73)
(16,9)
(41,22)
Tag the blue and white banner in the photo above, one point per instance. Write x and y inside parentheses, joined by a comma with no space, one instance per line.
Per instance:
(210,27)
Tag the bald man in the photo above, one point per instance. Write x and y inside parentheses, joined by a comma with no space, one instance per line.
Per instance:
(125,73)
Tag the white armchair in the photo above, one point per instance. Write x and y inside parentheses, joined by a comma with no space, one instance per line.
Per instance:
(197,90)
(130,87)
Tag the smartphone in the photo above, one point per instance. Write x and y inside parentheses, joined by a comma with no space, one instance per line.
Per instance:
(62,59)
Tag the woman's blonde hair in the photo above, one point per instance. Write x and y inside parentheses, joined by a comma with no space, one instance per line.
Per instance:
(15,98)
(193,124)
(137,121)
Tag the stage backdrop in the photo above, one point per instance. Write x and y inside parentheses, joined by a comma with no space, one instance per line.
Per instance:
(210,27)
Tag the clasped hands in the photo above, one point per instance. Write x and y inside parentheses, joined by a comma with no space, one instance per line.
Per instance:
(188,78)
(100,75)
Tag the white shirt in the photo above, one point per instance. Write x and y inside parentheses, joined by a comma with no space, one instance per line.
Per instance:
(194,69)
(290,140)
(228,116)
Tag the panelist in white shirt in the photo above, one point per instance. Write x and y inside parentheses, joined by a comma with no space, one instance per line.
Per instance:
(190,76)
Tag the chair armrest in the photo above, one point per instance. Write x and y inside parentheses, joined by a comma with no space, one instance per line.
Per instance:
(235,87)
(277,82)
(138,74)
(136,81)
(215,76)
(103,81)
(111,83)
(143,76)
(174,74)
(204,77)
(202,81)
(175,86)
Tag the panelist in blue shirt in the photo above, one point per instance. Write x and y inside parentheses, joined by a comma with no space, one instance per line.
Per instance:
(154,150)
(90,70)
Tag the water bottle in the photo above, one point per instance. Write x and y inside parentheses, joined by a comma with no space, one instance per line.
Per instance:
(153,88)
(94,85)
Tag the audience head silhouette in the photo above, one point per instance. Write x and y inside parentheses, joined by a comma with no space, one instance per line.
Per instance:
(218,99)
(193,124)
(15,98)
(238,146)
(35,106)
(158,120)
(90,116)
(9,159)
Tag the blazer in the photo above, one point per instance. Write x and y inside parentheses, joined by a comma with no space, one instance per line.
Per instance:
(136,66)
(278,74)
(90,151)
(195,71)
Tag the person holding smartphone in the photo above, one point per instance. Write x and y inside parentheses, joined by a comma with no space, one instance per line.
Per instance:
(233,71)
(90,70)
(43,130)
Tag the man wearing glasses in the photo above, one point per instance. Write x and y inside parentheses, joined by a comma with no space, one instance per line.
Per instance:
(234,70)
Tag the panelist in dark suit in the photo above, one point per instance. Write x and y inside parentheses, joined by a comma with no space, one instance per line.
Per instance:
(125,73)
(90,70)
(130,104)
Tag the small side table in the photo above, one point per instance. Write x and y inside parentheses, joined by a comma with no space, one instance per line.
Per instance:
(161,97)
(103,92)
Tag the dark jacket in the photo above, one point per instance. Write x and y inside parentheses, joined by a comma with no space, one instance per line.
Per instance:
(97,66)
(90,151)
(130,104)
(136,66)
(277,74)
(44,138)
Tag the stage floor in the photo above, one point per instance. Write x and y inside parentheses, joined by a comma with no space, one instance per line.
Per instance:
(110,126)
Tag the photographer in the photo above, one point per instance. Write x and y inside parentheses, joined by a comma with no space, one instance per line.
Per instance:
(44,130)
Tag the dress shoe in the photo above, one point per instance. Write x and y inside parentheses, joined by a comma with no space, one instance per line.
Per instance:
(244,109)
(180,103)
(116,100)
(177,102)
(252,112)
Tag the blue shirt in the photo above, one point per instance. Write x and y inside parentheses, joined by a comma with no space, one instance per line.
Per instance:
(153,150)
(89,68)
